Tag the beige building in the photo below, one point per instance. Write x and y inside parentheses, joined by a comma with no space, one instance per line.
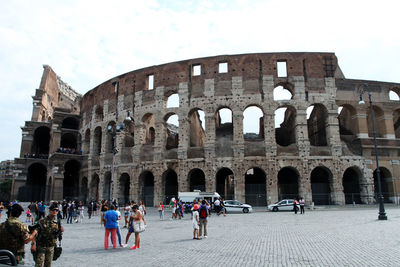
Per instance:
(150,133)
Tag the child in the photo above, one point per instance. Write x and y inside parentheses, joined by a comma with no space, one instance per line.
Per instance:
(161,211)
(28,216)
(196,222)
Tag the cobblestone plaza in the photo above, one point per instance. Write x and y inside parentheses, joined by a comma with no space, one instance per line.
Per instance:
(335,236)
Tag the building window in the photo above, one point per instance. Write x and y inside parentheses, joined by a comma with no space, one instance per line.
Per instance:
(281,68)
(150,82)
(196,70)
(223,67)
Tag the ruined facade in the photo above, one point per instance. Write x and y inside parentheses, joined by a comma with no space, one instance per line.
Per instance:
(137,145)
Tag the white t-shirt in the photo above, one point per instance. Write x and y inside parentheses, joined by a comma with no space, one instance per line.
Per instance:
(217,202)
(119,215)
(195,213)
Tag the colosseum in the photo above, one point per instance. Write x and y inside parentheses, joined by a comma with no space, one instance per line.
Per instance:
(181,126)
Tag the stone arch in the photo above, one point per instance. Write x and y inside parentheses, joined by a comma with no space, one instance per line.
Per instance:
(394,94)
(110,135)
(70,123)
(197,180)
(99,114)
(285,125)
(396,122)
(283,91)
(172,130)
(146,181)
(41,141)
(288,183)
(107,184)
(149,129)
(71,179)
(321,185)
(35,188)
(223,132)
(170,185)
(84,190)
(86,142)
(94,187)
(255,186)
(172,100)
(317,122)
(68,140)
(253,123)
(351,185)
(124,188)
(129,139)
(225,183)
(197,127)
(97,140)
(386,185)
(380,127)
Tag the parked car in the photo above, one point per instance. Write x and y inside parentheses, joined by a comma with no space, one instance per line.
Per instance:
(284,204)
(236,206)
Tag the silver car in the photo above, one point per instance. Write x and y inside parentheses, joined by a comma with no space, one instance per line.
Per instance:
(236,206)
(284,204)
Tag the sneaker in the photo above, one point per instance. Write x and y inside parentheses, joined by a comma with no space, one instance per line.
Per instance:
(205,236)
(124,245)
(134,247)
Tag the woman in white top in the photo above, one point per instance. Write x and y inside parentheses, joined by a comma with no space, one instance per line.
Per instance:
(142,208)
(195,221)
(137,217)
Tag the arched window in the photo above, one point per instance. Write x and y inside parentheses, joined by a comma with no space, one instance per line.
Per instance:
(253,123)
(172,127)
(316,123)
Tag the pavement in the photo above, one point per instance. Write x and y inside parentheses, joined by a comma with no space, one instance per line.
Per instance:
(338,236)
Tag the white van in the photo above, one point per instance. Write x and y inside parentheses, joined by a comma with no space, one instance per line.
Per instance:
(188,197)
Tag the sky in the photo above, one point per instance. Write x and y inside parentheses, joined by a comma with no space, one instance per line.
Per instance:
(88,42)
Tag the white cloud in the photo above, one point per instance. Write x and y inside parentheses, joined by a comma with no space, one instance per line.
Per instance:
(88,42)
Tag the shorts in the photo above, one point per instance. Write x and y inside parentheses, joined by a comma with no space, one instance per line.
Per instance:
(196,225)
(126,214)
(130,230)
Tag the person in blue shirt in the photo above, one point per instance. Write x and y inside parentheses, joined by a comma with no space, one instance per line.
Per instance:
(110,223)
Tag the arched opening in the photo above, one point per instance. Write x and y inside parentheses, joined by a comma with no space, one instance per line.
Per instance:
(71,180)
(285,126)
(316,123)
(172,127)
(41,141)
(396,123)
(380,127)
(149,126)
(253,123)
(282,93)
(124,188)
(255,187)
(107,186)
(386,185)
(170,180)
(147,188)
(351,185)
(223,133)
(84,190)
(86,143)
(197,180)
(70,123)
(129,140)
(288,183)
(393,96)
(99,114)
(197,128)
(97,141)
(94,187)
(111,128)
(225,183)
(35,188)
(321,186)
(173,101)
(348,128)
(68,140)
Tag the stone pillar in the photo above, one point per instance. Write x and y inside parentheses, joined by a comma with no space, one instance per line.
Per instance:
(238,140)
(389,132)
(269,118)
(302,142)
(272,182)
(337,193)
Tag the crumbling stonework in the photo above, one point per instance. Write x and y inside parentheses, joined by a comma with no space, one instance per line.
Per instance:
(326,157)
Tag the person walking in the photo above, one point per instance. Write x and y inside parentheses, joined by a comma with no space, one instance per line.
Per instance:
(203,218)
(295,205)
(138,219)
(301,205)
(110,224)
(14,234)
(50,228)
(196,221)
(161,210)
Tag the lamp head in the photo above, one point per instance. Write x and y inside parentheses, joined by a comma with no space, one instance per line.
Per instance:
(361,102)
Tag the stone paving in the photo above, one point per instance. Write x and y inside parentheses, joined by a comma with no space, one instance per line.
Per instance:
(324,237)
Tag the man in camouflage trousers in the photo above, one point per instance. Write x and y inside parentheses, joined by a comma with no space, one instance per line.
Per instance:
(47,238)
(14,234)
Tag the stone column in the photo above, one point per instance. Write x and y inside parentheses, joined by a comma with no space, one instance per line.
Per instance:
(238,140)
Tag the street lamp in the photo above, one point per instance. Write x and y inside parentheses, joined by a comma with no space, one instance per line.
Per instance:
(382,213)
(113,132)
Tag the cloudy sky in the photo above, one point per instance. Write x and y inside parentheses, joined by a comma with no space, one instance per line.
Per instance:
(88,42)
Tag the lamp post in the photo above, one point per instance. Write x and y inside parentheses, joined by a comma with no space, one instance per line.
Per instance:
(113,133)
(382,213)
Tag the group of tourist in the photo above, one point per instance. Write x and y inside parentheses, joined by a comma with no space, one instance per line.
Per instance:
(69,150)
(299,202)
(36,156)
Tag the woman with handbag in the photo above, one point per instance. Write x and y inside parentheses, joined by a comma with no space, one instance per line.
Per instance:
(138,225)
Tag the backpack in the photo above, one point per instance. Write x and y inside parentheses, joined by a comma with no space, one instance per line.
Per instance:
(203,212)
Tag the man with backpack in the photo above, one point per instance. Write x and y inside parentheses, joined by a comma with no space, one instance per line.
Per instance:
(203,217)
